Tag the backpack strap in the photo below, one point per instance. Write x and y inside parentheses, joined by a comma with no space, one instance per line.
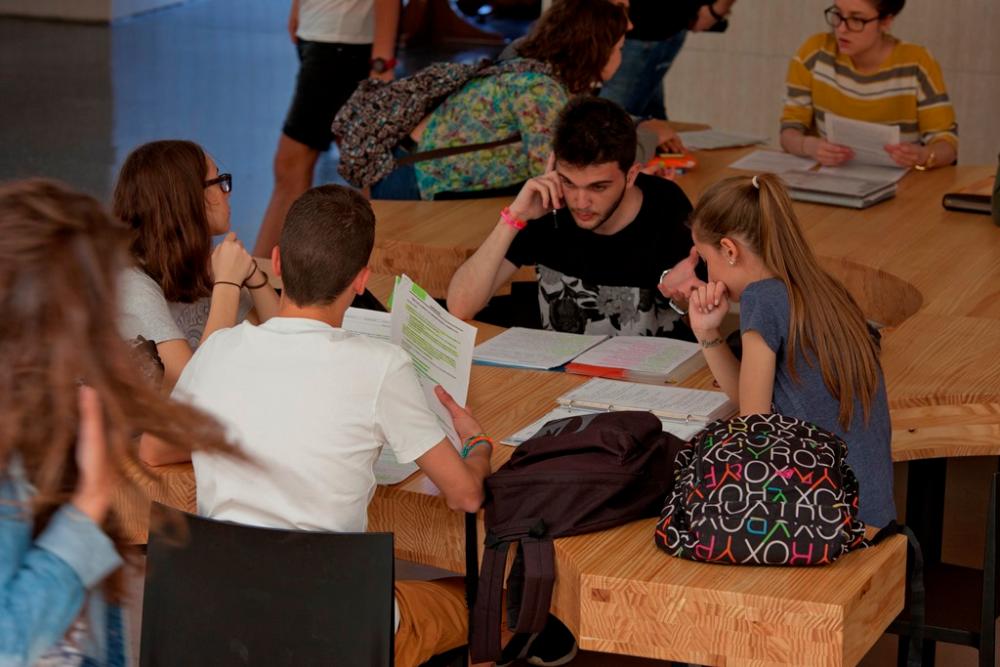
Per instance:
(917,593)
(484,634)
(539,578)
(439,153)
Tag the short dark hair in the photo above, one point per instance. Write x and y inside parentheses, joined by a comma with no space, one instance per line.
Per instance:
(593,130)
(327,239)
(888,7)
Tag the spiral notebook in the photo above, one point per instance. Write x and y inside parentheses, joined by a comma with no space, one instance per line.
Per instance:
(684,412)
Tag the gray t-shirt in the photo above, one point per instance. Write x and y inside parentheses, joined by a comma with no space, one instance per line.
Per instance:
(146,312)
(764,308)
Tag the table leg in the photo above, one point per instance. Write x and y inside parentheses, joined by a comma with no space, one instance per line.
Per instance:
(925,486)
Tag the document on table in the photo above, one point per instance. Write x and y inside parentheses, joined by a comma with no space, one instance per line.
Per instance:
(534,348)
(867,140)
(683,430)
(775,162)
(439,343)
(666,402)
(372,323)
(866,172)
(711,139)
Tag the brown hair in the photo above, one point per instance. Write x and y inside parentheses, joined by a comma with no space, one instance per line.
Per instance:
(576,37)
(826,321)
(160,194)
(60,259)
(327,239)
(592,130)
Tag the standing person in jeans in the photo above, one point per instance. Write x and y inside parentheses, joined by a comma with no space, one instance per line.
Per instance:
(650,48)
(340,43)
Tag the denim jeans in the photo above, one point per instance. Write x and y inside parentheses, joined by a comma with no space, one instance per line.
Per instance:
(638,83)
(400,183)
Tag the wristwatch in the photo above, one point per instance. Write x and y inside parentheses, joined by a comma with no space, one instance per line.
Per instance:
(380,65)
(677,309)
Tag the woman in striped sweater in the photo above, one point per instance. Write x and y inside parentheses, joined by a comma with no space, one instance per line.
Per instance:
(860,71)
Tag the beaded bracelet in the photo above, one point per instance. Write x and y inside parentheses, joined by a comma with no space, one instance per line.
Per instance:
(509,218)
(474,441)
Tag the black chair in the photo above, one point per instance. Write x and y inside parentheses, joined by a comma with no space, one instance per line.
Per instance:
(219,593)
(961,602)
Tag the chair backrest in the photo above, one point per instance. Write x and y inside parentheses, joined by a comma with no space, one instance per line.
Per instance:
(219,593)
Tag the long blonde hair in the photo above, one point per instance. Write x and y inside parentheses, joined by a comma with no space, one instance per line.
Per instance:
(826,322)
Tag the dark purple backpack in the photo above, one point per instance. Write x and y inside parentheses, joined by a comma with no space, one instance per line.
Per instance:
(577,475)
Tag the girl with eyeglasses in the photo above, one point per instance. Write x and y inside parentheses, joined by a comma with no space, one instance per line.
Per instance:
(181,290)
(71,401)
(859,71)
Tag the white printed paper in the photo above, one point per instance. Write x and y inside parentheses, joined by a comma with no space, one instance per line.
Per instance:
(775,162)
(439,343)
(669,402)
(866,172)
(644,355)
(372,323)
(867,140)
(711,139)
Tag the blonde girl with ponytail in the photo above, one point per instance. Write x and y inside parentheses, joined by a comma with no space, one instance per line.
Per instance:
(807,348)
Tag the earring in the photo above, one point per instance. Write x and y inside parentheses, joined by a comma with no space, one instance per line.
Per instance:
(732,261)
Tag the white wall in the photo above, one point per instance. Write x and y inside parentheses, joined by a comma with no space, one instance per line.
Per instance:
(735,80)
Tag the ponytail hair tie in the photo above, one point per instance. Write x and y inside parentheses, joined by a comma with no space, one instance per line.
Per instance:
(754,181)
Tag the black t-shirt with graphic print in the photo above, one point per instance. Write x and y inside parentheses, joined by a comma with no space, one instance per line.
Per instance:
(606,284)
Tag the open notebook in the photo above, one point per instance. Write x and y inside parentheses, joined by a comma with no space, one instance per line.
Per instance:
(533,348)
(640,359)
(684,412)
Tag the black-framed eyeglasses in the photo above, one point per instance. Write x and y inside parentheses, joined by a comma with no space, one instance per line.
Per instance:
(854,24)
(225,182)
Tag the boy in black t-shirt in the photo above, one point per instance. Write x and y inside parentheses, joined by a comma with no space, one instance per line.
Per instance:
(599,232)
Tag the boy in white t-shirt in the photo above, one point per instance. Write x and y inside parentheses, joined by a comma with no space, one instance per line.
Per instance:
(312,406)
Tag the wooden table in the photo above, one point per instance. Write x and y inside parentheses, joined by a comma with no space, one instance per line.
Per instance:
(930,275)
(615,590)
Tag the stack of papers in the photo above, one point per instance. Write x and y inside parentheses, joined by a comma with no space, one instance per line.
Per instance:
(824,188)
(640,359)
(684,412)
(440,346)
(775,162)
(533,348)
(703,140)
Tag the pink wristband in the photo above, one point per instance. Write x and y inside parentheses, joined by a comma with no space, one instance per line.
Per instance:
(509,219)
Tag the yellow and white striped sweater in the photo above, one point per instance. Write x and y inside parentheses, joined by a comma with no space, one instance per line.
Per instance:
(907,90)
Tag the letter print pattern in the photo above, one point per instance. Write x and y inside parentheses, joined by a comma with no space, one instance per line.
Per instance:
(762,490)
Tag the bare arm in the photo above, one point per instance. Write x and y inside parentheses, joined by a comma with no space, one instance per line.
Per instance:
(155,452)
(482,274)
(386,28)
(265,299)
(293,21)
(174,354)
(756,383)
(460,480)
(708,306)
